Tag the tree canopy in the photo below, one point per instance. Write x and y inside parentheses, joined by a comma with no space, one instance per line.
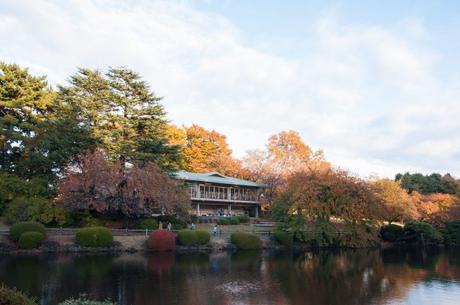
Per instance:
(429,184)
(121,114)
(104,187)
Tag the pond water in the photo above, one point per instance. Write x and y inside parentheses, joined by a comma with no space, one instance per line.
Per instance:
(325,277)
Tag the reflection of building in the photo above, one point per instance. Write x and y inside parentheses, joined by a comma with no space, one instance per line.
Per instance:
(214,194)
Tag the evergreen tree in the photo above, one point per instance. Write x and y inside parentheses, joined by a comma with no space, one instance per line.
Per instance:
(122,114)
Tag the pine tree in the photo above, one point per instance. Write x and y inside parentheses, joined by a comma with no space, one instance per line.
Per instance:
(122,114)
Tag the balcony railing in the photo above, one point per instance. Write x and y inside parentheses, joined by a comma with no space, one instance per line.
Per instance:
(223,194)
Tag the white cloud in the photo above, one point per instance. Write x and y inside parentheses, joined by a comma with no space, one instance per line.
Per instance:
(367,95)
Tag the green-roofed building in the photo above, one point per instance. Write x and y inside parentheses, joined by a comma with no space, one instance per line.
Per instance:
(214,194)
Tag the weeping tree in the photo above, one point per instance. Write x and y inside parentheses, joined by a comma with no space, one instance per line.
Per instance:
(105,187)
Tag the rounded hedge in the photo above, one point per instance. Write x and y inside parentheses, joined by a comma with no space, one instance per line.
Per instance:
(187,237)
(19,228)
(223,221)
(391,232)
(13,297)
(419,229)
(246,241)
(203,237)
(193,237)
(243,219)
(284,238)
(30,240)
(94,237)
(161,240)
(234,221)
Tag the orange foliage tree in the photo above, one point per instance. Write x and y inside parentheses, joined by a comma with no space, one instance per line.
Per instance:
(285,154)
(436,208)
(397,205)
(205,151)
(105,187)
(322,195)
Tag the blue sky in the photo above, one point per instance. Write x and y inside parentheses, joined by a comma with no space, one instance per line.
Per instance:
(375,84)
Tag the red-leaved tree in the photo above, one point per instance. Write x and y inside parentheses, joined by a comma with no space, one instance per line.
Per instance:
(106,188)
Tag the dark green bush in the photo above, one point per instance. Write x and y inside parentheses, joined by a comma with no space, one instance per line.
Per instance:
(452,233)
(391,232)
(223,221)
(243,218)
(203,237)
(17,229)
(319,234)
(94,237)
(187,237)
(30,240)
(177,223)
(421,231)
(234,221)
(358,236)
(193,237)
(147,224)
(13,297)
(246,241)
(284,238)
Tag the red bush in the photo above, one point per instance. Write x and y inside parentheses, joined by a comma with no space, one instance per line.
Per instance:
(162,240)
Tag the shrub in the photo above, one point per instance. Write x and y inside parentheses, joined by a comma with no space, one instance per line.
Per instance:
(223,221)
(94,237)
(187,237)
(246,241)
(147,224)
(84,301)
(13,297)
(284,238)
(452,232)
(243,218)
(36,208)
(161,240)
(203,237)
(30,240)
(421,231)
(358,236)
(391,232)
(234,221)
(19,228)
(177,224)
(319,234)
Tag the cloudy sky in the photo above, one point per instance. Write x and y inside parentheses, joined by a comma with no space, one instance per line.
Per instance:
(375,84)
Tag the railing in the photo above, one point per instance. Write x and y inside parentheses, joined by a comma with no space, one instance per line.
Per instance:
(130,232)
(205,192)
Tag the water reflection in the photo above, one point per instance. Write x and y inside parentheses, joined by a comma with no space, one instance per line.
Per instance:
(246,277)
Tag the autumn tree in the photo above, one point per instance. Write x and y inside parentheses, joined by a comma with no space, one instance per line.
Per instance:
(323,195)
(397,205)
(435,208)
(205,150)
(285,154)
(122,114)
(106,188)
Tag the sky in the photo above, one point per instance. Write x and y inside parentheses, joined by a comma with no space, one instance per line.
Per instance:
(374,84)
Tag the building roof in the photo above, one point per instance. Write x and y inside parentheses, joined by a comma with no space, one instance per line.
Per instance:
(214,177)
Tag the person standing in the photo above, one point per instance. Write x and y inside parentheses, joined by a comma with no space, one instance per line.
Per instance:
(169,226)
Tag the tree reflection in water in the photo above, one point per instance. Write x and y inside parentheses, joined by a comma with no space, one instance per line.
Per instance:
(324,277)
